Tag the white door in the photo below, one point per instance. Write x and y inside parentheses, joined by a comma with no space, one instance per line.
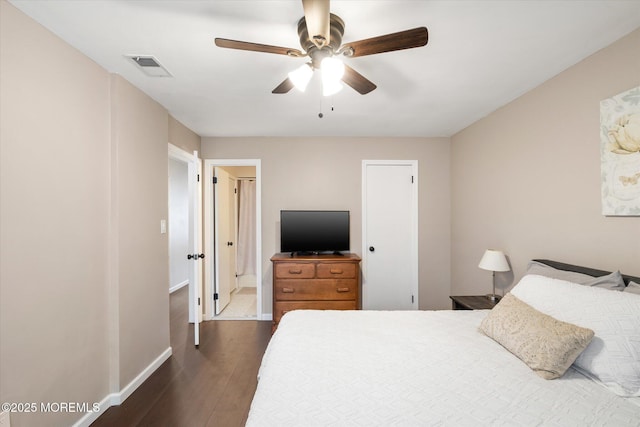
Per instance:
(390,235)
(195,244)
(224,240)
(233,233)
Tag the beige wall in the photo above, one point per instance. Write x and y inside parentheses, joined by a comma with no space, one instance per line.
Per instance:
(183,137)
(140,203)
(54,221)
(526,179)
(325,173)
(241,171)
(83,283)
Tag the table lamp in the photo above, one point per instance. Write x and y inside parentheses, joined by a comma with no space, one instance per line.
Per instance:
(494,260)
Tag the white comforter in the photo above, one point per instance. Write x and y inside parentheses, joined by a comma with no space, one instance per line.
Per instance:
(415,368)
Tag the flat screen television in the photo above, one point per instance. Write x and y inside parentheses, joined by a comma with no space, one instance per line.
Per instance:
(312,231)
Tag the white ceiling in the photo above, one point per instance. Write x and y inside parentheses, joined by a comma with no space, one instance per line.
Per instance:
(481,55)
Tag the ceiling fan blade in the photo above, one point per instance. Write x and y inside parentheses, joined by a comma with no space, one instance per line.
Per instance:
(284,87)
(357,81)
(257,47)
(316,14)
(397,41)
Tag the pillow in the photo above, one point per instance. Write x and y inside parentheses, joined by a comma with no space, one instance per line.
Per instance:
(613,356)
(633,288)
(546,345)
(611,281)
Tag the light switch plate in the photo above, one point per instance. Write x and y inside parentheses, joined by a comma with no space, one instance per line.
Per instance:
(163,226)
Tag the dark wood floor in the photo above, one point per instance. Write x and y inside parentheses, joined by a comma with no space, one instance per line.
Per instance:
(209,386)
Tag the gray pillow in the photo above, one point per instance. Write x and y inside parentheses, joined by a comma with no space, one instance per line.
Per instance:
(633,288)
(612,281)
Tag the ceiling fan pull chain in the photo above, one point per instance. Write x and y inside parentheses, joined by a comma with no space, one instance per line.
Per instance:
(320,115)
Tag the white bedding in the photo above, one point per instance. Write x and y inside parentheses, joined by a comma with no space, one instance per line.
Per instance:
(415,368)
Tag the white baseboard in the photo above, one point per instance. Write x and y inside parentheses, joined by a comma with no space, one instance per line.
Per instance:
(178,286)
(115,399)
(142,376)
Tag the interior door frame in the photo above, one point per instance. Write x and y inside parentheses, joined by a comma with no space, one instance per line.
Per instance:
(414,224)
(194,167)
(209,164)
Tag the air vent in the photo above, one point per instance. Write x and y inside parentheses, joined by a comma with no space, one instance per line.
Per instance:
(149,65)
(146,62)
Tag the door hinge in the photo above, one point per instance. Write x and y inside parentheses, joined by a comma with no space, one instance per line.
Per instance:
(215,179)
(198,300)
(215,296)
(412,300)
(235,191)
(412,179)
(198,177)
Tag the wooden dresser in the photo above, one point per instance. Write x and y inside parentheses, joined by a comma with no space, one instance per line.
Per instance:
(319,282)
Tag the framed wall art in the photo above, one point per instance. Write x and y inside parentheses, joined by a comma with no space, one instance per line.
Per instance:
(620,153)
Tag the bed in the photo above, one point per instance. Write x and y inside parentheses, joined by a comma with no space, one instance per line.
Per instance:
(428,368)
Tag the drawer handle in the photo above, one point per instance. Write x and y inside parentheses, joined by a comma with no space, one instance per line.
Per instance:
(336,271)
(297,271)
(342,290)
(288,290)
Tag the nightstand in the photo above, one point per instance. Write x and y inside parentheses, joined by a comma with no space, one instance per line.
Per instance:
(472,302)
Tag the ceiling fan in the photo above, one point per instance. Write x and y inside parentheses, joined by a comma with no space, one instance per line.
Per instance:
(320,34)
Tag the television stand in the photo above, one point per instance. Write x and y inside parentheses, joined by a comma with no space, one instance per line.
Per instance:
(315,282)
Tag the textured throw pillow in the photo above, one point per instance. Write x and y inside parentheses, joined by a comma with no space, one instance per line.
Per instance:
(612,281)
(547,345)
(613,357)
(633,288)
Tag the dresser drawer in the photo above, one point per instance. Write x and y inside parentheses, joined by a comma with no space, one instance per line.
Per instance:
(315,289)
(283,307)
(291,270)
(336,270)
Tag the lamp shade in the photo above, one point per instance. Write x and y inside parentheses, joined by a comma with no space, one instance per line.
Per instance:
(301,76)
(332,68)
(332,71)
(494,260)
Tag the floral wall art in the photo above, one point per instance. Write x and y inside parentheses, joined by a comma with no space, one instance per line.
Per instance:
(620,153)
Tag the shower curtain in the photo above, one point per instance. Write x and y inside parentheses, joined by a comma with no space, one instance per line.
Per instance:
(247,227)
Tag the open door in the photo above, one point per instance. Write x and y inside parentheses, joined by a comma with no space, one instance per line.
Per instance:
(195,243)
(224,230)
(193,258)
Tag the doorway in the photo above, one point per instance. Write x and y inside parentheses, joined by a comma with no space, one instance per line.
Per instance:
(390,235)
(232,233)
(178,225)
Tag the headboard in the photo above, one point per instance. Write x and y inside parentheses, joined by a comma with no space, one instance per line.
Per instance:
(585,270)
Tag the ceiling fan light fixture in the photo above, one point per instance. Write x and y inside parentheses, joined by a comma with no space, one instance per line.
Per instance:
(331,87)
(332,68)
(332,71)
(301,76)
(320,33)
